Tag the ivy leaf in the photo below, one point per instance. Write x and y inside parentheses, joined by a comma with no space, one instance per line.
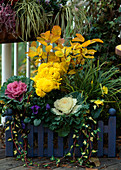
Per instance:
(68,154)
(27,120)
(8,128)
(9,139)
(37,122)
(96,113)
(52,158)
(63,131)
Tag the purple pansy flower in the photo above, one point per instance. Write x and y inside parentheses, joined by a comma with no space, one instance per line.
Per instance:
(35,109)
(23,125)
(47,106)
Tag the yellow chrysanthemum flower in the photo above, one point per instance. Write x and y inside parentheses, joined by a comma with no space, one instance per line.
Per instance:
(40,93)
(45,84)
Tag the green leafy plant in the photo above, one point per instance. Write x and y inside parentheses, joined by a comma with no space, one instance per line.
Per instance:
(66,94)
(31,17)
(96,82)
(105,22)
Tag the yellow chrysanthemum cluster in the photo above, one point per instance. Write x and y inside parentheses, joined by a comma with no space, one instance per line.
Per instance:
(48,78)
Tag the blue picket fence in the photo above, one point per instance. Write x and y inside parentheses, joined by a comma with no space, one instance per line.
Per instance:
(45,143)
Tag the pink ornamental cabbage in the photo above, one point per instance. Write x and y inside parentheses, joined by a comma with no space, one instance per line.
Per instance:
(15,90)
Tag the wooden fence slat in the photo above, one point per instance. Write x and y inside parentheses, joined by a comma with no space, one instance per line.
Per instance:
(105,151)
(50,143)
(9,144)
(112,137)
(40,141)
(105,129)
(60,147)
(47,149)
(80,142)
(30,140)
(20,139)
(70,142)
(100,142)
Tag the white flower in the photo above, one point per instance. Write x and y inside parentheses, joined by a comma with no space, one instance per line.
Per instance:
(66,105)
(68,3)
(47,1)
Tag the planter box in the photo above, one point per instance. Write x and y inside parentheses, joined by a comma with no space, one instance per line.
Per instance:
(45,143)
(8,37)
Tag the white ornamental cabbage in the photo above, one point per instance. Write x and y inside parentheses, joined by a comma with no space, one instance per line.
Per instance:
(66,105)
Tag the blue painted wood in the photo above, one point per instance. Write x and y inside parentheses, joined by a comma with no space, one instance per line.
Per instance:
(105,151)
(100,142)
(50,143)
(70,143)
(9,144)
(105,129)
(21,142)
(40,141)
(30,151)
(60,151)
(112,136)
(35,138)
(60,147)
(45,149)
(80,142)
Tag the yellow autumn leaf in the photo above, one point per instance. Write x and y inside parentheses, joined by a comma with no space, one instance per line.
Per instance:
(33,44)
(76,52)
(32,52)
(45,35)
(44,55)
(86,43)
(68,50)
(91,51)
(59,54)
(42,41)
(82,62)
(39,50)
(89,56)
(61,41)
(52,57)
(56,30)
(68,59)
(57,48)
(97,40)
(54,38)
(48,48)
(72,71)
(79,38)
(64,66)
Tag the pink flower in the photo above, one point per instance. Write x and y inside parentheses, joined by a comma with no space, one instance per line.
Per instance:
(15,90)
(76,9)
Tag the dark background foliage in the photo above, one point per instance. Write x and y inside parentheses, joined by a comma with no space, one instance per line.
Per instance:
(105,23)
